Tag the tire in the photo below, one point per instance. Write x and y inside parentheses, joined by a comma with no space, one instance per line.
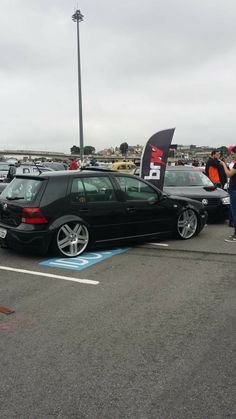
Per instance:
(187,224)
(71,239)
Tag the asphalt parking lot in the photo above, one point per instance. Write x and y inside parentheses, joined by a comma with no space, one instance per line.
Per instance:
(147,332)
(210,241)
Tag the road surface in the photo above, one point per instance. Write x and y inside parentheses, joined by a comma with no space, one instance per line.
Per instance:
(151,335)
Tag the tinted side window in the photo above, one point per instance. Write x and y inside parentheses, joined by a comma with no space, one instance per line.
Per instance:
(93,189)
(77,191)
(136,190)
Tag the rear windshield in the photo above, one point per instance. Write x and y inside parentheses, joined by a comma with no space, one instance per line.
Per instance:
(22,189)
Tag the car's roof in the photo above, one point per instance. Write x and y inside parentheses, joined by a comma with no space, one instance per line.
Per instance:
(30,165)
(72,173)
(183,168)
(123,162)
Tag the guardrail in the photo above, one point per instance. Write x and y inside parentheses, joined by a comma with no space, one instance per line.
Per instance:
(59,155)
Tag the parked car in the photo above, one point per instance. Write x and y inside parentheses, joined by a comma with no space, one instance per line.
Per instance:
(4,167)
(136,171)
(23,169)
(71,211)
(193,183)
(35,169)
(55,165)
(123,166)
(3,185)
(98,165)
(103,165)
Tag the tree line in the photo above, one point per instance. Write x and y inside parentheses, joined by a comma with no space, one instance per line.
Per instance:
(88,149)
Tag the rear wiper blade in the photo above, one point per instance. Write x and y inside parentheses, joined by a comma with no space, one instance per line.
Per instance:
(9,198)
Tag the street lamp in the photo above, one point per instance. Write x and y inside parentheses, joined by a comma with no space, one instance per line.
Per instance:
(78,17)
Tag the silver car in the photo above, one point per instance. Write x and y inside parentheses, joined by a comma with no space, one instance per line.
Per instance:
(4,167)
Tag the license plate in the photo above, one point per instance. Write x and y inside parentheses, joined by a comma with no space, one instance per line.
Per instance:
(3,233)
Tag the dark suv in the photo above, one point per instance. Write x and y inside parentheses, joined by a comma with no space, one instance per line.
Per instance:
(69,211)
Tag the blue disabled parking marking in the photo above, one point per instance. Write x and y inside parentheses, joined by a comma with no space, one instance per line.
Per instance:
(84,261)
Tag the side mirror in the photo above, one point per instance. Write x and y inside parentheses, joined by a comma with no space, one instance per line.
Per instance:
(164,195)
(153,200)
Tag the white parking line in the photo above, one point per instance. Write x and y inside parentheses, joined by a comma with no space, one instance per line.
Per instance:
(66,278)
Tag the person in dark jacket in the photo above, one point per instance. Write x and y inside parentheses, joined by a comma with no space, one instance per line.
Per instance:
(231,173)
(215,171)
(11,173)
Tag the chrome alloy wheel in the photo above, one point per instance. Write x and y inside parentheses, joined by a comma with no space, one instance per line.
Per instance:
(72,239)
(187,224)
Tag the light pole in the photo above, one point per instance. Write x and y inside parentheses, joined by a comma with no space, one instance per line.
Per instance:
(78,17)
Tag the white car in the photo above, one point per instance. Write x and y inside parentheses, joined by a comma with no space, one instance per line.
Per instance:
(4,167)
(23,169)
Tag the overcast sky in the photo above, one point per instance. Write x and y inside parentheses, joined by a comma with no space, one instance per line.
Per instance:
(146,66)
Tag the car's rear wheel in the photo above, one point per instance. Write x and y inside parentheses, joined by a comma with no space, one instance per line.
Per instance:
(71,239)
(187,224)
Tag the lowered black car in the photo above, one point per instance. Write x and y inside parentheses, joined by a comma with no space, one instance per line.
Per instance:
(192,183)
(72,210)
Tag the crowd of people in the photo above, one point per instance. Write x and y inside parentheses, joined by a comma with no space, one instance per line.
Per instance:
(219,172)
(230,172)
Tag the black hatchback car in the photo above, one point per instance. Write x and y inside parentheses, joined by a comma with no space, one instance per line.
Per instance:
(193,183)
(72,210)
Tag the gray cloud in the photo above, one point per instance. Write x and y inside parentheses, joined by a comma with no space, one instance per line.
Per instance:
(145,67)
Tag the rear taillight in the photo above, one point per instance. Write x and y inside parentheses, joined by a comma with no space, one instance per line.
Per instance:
(33,216)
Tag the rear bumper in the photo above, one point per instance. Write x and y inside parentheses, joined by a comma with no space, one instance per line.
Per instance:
(35,241)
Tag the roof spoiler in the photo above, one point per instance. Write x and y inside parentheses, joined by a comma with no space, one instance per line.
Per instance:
(94,169)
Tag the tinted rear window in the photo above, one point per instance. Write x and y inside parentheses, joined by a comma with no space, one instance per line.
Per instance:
(22,189)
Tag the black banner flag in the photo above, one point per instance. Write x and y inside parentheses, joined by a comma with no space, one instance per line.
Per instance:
(154,157)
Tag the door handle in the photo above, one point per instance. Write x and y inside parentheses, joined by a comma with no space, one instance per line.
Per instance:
(131,209)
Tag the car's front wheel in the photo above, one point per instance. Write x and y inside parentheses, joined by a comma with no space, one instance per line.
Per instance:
(71,239)
(187,224)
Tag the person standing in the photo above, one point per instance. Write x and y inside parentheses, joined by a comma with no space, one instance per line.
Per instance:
(231,173)
(214,170)
(74,164)
(11,173)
